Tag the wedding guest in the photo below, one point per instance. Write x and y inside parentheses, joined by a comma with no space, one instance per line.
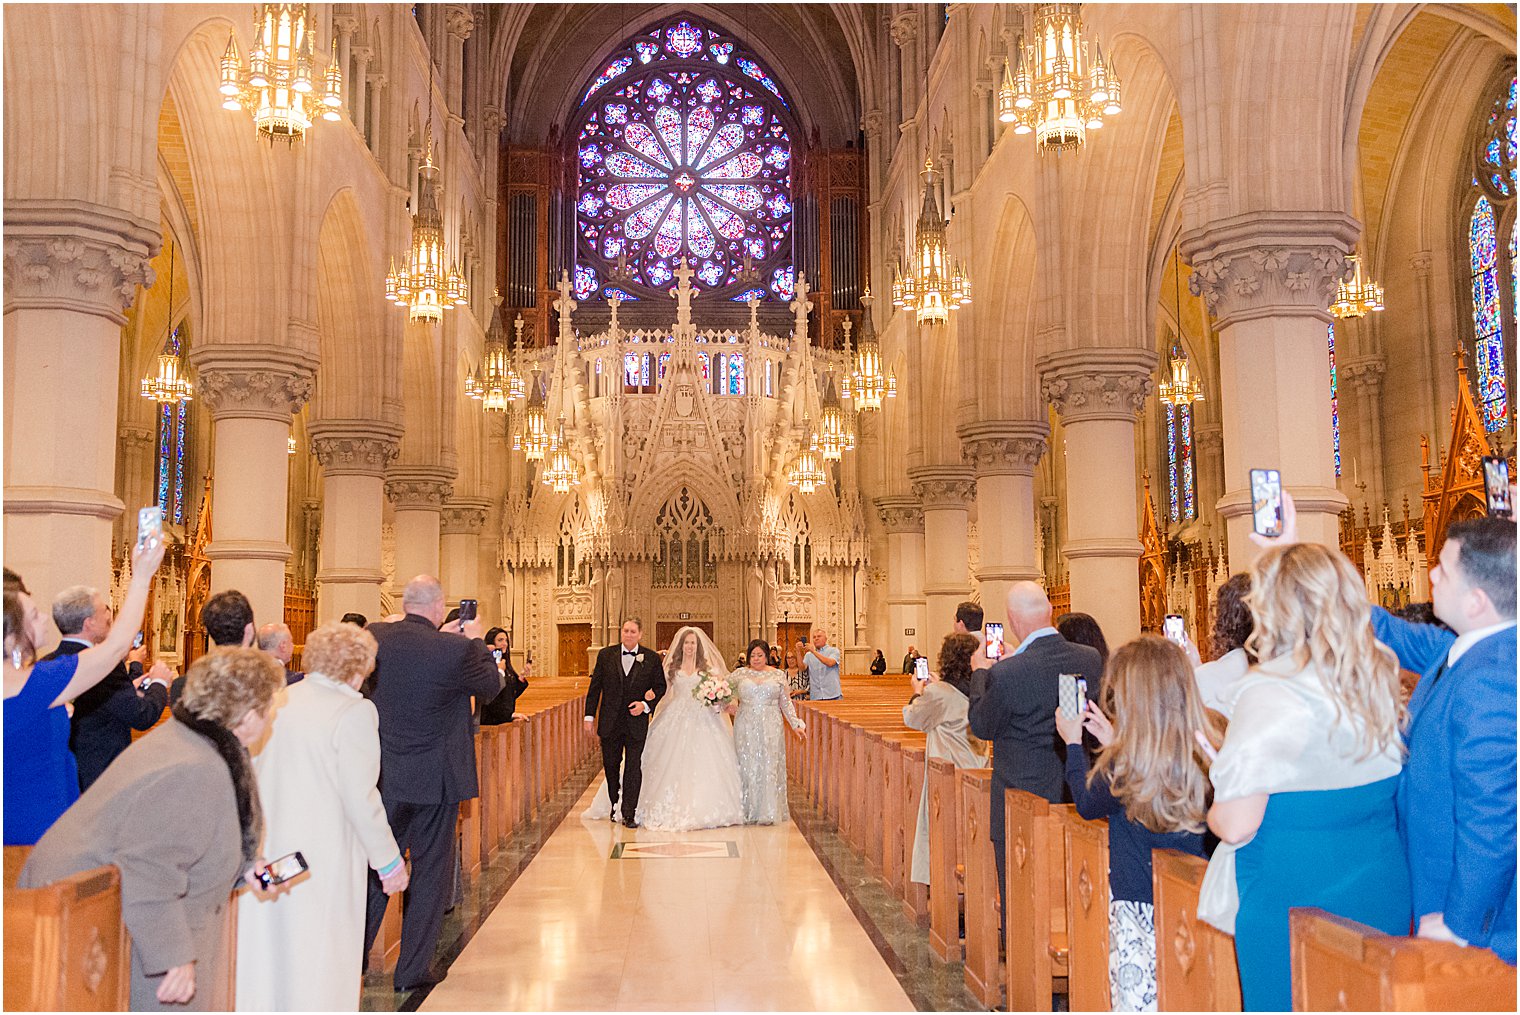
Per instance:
(228,620)
(1151,783)
(41,779)
(910,659)
(758,738)
(1083,629)
(879,664)
(356,619)
(277,640)
(1304,784)
(178,813)
(317,780)
(501,708)
(822,662)
(1232,629)
(939,708)
(968,620)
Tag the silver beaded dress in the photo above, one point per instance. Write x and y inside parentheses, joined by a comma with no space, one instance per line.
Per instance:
(761,743)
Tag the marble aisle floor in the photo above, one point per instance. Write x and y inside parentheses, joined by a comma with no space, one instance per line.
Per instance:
(764,931)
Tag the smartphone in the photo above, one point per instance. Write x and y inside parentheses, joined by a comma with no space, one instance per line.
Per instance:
(137,640)
(1072,694)
(496,653)
(467,610)
(282,870)
(150,525)
(994,641)
(1174,628)
(1266,502)
(921,668)
(1496,487)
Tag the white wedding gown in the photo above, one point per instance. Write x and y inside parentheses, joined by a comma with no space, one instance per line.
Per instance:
(691,771)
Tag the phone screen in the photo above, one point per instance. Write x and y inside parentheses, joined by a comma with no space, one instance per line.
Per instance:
(137,640)
(1175,628)
(994,641)
(467,610)
(497,653)
(921,668)
(1266,502)
(1071,691)
(150,524)
(1496,487)
(282,870)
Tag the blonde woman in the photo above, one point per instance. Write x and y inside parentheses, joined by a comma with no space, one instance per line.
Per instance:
(1151,783)
(1304,784)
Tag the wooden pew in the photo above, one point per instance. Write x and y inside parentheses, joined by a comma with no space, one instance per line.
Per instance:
(66,948)
(915,897)
(1036,859)
(1195,963)
(1342,965)
(983,914)
(945,866)
(1087,896)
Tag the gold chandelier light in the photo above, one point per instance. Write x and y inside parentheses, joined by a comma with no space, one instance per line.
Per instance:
(866,386)
(932,286)
(807,473)
(1357,297)
(1182,388)
(532,438)
(169,386)
(497,384)
(422,285)
(1054,88)
(279,85)
(836,432)
(561,473)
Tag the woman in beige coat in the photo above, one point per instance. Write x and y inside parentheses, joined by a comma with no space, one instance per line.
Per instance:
(939,708)
(302,949)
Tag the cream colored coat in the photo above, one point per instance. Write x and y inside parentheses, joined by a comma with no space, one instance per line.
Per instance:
(941,713)
(302,950)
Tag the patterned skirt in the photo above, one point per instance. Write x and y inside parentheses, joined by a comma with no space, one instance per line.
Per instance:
(1131,956)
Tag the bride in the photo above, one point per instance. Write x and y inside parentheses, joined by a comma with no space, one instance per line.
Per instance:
(691,772)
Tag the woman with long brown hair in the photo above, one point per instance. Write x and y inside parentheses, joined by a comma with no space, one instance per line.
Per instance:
(939,708)
(1151,782)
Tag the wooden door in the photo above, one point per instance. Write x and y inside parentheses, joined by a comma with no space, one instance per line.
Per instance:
(574,640)
(665,630)
(788,634)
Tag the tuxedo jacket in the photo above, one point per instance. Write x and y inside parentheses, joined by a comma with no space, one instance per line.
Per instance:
(422,686)
(611,692)
(106,715)
(1457,794)
(1013,704)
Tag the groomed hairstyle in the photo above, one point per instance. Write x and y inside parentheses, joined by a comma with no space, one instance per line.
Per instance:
(1154,765)
(955,657)
(970,615)
(635,621)
(73,607)
(1233,622)
(271,636)
(13,582)
(226,616)
(226,684)
(674,654)
(492,633)
(16,636)
(1082,629)
(759,643)
(1309,603)
(357,619)
(339,652)
(1487,559)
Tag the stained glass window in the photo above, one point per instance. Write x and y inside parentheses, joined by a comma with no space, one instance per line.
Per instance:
(735,374)
(1496,156)
(1488,318)
(1181,487)
(1335,401)
(684,151)
(173,431)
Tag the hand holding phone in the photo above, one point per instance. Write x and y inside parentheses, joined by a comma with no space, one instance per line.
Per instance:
(1071,692)
(1267,503)
(1174,628)
(277,872)
(921,669)
(150,525)
(994,641)
(468,608)
(1496,488)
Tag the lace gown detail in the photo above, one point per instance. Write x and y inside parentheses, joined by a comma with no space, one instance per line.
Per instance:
(761,743)
(691,774)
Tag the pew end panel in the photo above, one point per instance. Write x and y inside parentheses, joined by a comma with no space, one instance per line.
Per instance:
(983,971)
(1087,898)
(66,948)
(1195,962)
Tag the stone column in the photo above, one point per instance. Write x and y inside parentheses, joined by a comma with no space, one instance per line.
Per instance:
(1208,465)
(358,91)
(1098,393)
(462,521)
(460,23)
(251,392)
(1436,364)
(1362,379)
(136,452)
(905,34)
(353,455)
(1003,454)
(945,492)
(70,272)
(903,518)
(1268,278)
(417,492)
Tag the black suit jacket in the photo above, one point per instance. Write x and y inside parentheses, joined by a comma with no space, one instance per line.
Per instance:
(106,715)
(422,686)
(498,711)
(1014,705)
(611,693)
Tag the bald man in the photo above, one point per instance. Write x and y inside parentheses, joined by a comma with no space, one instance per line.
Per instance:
(1015,706)
(277,640)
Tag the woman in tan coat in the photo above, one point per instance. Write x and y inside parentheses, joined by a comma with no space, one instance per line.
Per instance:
(178,813)
(939,708)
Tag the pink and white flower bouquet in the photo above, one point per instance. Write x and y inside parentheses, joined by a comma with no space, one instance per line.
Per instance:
(714,691)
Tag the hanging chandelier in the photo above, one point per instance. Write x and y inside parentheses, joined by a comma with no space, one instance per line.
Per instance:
(290,444)
(866,386)
(532,438)
(836,432)
(1054,88)
(561,473)
(497,384)
(807,473)
(1357,297)
(933,286)
(422,286)
(1182,388)
(278,85)
(169,386)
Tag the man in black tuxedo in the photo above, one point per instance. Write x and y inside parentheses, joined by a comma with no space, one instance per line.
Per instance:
(422,685)
(228,620)
(627,683)
(1013,704)
(106,714)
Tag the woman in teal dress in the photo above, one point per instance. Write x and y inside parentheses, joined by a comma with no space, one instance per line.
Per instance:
(1304,783)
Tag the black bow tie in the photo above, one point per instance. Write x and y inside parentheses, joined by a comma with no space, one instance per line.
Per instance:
(626,652)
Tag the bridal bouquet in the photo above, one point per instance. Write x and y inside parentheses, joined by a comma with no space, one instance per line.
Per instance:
(713,691)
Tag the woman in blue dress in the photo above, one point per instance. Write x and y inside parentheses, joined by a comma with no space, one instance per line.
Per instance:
(41,781)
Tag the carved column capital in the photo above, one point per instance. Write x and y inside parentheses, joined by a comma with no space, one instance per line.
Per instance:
(1004,447)
(1270,264)
(418,487)
(943,487)
(73,255)
(1422,262)
(905,28)
(253,381)
(134,435)
(493,118)
(345,24)
(354,447)
(464,516)
(872,124)
(1365,373)
(900,513)
(459,21)
(1097,384)
(1209,437)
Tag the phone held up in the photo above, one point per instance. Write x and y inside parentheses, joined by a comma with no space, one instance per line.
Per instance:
(137,640)
(277,872)
(150,525)
(1267,502)
(468,609)
(1174,628)
(1072,695)
(994,641)
(921,668)
(1496,487)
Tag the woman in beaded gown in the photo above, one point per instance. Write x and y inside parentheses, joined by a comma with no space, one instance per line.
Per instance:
(758,737)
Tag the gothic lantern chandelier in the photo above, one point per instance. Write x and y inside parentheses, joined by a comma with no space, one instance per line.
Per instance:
(497,384)
(561,473)
(866,386)
(169,386)
(1054,88)
(422,286)
(836,432)
(532,438)
(1182,388)
(806,473)
(1357,297)
(290,444)
(932,286)
(278,85)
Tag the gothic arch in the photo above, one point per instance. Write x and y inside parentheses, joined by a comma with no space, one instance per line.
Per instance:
(356,348)
(703,482)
